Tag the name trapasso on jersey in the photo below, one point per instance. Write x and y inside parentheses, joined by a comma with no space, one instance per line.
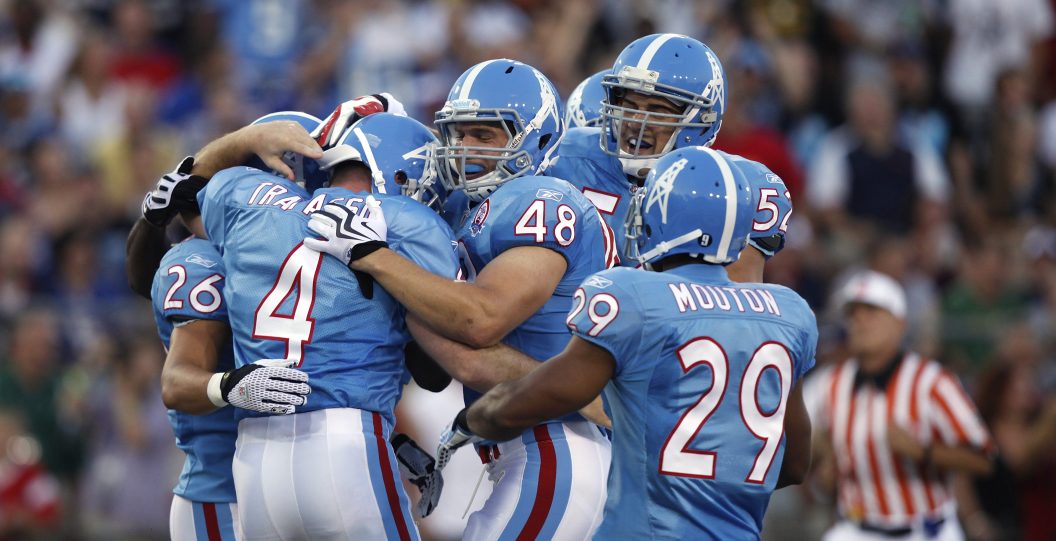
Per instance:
(599,176)
(704,367)
(287,301)
(773,205)
(188,286)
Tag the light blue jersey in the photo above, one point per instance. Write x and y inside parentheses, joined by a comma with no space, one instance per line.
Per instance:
(599,176)
(773,205)
(189,285)
(545,212)
(704,367)
(287,301)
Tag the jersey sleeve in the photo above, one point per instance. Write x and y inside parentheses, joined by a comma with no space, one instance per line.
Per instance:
(189,285)
(420,235)
(773,206)
(953,416)
(609,316)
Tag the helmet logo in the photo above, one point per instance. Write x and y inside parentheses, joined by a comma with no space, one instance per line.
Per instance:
(665,182)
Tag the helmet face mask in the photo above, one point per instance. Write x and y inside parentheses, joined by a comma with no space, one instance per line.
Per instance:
(480,169)
(680,70)
(520,109)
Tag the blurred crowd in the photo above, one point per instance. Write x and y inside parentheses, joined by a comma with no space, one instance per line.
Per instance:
(917,137)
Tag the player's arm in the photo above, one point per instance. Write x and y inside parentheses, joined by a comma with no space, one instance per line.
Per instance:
(562,385)
(194,351)
(143,252)
(269,141)
(509,289)
(479,369)
(796,463)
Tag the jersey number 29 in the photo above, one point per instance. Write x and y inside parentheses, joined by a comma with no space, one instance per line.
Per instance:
(676,458)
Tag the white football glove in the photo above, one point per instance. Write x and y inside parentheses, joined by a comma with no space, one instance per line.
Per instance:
(174,192)
(418,467)
(330,129)
(348,235)
(457,435)
(266,386)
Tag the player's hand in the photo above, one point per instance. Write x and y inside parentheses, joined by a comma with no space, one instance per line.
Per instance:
(457,435)
(274,141)
(174,192)
(266,386)
(348,235)
(419,467)
(333,127)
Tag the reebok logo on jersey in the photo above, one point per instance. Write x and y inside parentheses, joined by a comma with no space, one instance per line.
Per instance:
(773,179)
(599,282)
(197,259)
(552,195)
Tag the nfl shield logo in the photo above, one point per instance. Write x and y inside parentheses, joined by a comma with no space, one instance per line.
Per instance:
(478,219)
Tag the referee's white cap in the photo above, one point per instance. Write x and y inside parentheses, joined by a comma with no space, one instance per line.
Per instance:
(875,289)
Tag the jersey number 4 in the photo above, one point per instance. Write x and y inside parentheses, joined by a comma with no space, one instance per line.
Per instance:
(676,458)
(300,271)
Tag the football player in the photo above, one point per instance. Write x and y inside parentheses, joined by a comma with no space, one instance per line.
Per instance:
(702,375)
(527,241)
(664,92)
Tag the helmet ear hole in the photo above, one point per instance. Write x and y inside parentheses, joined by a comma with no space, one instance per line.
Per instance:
(401,178)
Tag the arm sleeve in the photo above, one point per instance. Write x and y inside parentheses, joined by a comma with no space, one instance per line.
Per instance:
(609,316)
(953,415)
(190,285)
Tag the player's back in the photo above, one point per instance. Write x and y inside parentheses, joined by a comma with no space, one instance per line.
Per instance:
(287,301)
(704,369)
(187,286)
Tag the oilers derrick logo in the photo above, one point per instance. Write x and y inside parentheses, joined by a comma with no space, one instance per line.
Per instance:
(478,219)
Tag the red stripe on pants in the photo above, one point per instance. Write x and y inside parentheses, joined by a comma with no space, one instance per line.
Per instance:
(544,492)
(212,526)
(390,483)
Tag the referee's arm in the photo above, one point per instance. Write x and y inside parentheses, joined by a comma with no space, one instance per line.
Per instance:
(796,464)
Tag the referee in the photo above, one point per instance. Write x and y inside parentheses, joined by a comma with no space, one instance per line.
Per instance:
(897,425)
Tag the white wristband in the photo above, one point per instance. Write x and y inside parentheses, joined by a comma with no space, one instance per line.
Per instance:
(213,391)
